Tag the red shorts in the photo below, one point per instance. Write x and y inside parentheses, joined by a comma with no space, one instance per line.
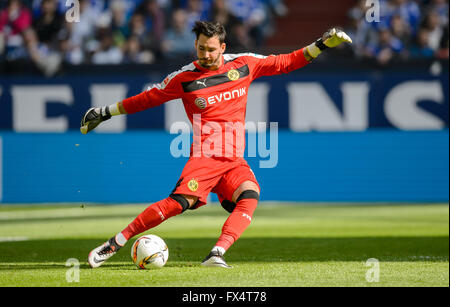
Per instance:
(203,175)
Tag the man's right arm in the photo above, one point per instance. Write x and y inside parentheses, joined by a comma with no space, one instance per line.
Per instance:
(153,97)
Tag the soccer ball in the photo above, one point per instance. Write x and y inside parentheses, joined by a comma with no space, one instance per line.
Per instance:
(149,252)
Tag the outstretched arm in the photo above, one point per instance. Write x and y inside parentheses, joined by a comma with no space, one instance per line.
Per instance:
(286,63)
(153,97)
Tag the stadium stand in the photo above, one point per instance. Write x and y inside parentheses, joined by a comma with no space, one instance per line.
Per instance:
(154,31)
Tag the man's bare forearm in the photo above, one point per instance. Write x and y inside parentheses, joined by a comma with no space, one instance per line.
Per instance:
(307,56)
(121,108)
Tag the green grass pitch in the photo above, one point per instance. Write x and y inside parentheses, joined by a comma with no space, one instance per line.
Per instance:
(286,245)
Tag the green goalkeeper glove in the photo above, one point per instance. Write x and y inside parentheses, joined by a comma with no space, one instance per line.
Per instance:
(330,39)
(93,118)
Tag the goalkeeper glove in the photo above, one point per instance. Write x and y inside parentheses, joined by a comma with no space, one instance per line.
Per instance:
(93,118)
(330,39)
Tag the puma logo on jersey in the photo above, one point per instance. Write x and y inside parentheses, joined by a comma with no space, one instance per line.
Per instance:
(202,83)
(247,216)
(227,96)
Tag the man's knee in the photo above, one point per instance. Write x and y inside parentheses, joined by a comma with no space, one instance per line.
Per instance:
(229,206)
(185,201)
(247,190)
(248,194)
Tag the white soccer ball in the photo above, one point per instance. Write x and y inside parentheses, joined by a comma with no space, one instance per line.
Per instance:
(149,252)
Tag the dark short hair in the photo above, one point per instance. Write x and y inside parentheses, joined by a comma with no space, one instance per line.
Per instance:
(210,29)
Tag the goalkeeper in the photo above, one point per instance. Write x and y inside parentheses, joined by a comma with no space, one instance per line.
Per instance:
(202,86)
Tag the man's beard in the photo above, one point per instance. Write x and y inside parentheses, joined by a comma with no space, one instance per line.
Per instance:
(206,64)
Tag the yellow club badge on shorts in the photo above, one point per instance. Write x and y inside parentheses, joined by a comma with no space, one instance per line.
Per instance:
(193,185)
(233,75)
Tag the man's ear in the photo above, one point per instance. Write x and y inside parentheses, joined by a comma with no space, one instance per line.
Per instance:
(224,47)
(196,43)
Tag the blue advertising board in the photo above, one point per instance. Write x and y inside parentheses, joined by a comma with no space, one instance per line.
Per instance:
(361,136)
(139,167)
(302,102)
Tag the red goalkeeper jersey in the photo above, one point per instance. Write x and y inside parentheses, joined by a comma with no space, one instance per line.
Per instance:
(215,101)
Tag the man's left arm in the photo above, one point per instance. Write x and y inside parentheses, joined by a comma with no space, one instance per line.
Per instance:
(285,63)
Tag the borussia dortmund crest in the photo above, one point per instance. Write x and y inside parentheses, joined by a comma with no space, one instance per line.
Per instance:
(233,75)
(193,185)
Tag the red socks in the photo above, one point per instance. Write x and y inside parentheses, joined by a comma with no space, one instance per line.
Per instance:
(156,213)
(151,217)
(237,222)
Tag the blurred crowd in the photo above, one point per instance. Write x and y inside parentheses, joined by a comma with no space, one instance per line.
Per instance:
(404,29)
(53,32)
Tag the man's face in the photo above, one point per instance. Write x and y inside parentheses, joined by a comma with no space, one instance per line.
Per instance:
(209,51)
